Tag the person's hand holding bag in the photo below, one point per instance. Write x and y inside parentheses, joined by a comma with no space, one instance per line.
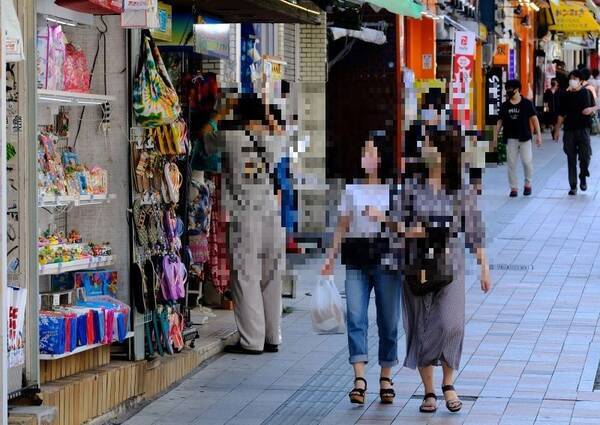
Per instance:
(327,311)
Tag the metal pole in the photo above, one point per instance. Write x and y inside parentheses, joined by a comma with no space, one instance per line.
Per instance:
(3,234)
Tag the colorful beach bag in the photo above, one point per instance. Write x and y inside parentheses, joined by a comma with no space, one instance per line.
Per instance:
(155,101)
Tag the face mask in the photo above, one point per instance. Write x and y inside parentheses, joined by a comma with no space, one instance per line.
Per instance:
(428,114)
(369,163)
(574,84)
(510,94)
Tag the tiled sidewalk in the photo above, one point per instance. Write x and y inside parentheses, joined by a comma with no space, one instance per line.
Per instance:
(531,351)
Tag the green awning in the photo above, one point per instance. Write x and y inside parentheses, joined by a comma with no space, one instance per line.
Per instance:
(401,7)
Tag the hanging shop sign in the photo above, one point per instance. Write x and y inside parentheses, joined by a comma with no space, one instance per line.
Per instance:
(573,17)
(273,68)
(501,55)
(493,95)
(427,61)
(512,64)
(165,23)
(462,74)
(212,40)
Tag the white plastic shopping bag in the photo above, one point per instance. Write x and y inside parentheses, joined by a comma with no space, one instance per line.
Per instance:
(327,312)
(13,36)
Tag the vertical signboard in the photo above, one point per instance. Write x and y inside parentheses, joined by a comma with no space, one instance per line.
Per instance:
(512,64)
(493,95)
(462,74)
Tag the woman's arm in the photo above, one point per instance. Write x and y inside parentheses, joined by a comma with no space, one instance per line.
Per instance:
(486,282)
(340,231)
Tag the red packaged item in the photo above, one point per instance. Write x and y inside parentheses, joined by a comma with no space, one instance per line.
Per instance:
(94,7)
(75,70)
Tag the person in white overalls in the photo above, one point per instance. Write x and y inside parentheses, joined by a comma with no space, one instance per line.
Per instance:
(253,141)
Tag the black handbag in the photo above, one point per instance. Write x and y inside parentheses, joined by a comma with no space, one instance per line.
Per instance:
(364,252)
(426,263)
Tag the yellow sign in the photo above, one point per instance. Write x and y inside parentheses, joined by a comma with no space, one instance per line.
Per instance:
(273,68)
(165,20)
(501,55)
(573,17)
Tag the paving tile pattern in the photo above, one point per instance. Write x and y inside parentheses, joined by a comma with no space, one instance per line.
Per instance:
(532,346)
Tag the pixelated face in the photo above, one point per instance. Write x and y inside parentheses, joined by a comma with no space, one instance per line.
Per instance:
(370,158)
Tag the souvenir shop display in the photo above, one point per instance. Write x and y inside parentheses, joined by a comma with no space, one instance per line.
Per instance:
(159,150)
(65,174)
(91,321)
(61,65)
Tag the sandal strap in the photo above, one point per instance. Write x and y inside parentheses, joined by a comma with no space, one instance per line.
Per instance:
(385,379)
(357,391)
(447,388)
(429,395)
(361,379)
(387,391)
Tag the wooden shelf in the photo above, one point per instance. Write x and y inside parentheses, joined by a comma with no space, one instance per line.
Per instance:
(78,349)
(62,201)
(72,98)
(71,266)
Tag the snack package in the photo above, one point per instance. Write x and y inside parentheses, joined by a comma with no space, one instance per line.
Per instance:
(76,73)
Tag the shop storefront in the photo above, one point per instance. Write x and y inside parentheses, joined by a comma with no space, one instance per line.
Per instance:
(115,226)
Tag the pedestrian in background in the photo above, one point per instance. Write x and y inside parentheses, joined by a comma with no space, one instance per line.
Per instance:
(364,247)
(551,104)
(576,108)
(433,207)
(518,117)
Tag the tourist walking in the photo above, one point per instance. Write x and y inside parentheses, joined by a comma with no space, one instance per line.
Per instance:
(576,109)
(517,117)
(551,104)
(364,248)
(433,207)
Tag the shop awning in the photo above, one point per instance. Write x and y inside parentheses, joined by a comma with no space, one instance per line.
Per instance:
(410,8)
(257,11)
(573,17)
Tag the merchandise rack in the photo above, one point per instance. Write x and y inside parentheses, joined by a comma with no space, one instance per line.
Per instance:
(66,98)
(77,265)
(81,200)
(79,349)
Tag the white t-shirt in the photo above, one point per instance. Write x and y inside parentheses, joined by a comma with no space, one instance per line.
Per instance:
(355,199)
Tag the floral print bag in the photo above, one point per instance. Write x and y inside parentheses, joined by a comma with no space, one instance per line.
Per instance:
(155,101)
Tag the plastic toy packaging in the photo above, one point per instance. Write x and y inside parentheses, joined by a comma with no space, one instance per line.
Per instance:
(52,332)
(51,51)
(75,70)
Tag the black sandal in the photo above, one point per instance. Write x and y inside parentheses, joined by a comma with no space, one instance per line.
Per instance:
(386,394)
(424,409)
(357,395)
(456,402)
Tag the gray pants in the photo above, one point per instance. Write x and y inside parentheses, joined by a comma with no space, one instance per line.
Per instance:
(513,149)
(577,143)
(258,249)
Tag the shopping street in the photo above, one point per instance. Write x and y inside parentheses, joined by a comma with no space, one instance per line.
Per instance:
(531,352)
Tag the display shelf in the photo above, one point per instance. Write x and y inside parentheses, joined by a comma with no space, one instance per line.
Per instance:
(71,266)
(54,201)
(78,350)
(72,98)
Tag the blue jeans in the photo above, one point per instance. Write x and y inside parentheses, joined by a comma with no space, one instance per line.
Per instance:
(388,290)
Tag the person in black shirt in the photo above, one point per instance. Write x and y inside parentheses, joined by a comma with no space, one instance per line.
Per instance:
(517,117)
(551,104)
(576,108)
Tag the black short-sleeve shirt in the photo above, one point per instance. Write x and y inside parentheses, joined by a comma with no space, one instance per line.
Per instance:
(515,119)
(571,106)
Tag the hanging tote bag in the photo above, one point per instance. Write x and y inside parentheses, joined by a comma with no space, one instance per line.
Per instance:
(155,101)
(13,41)
(327,312)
